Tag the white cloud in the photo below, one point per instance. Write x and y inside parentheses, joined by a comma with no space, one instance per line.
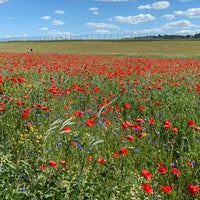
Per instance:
(192,13)
(156,6)
(179,24)
(3,1)
(135,19)
(44,29)
(60,34)
(182,25)
(60,12)
(160,5)
(100,25)
(151,31)
(58,22)
(94,10)
(142,7)
(185,32)
(46,17)
(102,31)
(169,16)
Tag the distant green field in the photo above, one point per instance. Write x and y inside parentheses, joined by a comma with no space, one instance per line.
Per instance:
(156,48)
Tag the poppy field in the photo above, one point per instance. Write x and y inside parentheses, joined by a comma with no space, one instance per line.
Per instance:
(99,127)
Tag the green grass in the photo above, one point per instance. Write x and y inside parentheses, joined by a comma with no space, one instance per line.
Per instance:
(137,48)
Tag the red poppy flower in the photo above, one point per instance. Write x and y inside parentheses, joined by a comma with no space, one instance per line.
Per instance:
(79,113)
(26,110)
(166,188)
(115,154)
(53,164)
(151,121)
(18,103)
(126,105)
(146,174)
(42,166)
(196,128)
(39,105)
(62,162)
(21,79)
(175,171)
(123,151)
(14,79)
(134,90)
(193,189)
(122,90)
(109,108)
(160,163)
(124,125)
(167,124)
(162,169)
(139,120)
(117,109)
(190,122)
(130,137)
(101,160)
(175,130)
(106,121)
(66,128)
(157,102)
(96,89)
(141,108)
(136,127)
(89,158)
(45,108)
(89,122)
(73,143)
(24,114)
(147,188)
(66,107)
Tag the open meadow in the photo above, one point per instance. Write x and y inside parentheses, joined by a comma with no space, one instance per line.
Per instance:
(100,120)
(137,48)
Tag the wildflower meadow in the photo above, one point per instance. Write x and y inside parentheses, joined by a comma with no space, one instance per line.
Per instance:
(99,127)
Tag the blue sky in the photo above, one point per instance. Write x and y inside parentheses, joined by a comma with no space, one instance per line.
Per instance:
(19,18)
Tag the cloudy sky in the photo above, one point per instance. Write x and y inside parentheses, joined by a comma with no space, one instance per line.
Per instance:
(20,18)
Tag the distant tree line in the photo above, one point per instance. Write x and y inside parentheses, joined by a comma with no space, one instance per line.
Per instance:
(196,36)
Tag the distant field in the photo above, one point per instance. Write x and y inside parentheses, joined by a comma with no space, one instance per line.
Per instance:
(164,48)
